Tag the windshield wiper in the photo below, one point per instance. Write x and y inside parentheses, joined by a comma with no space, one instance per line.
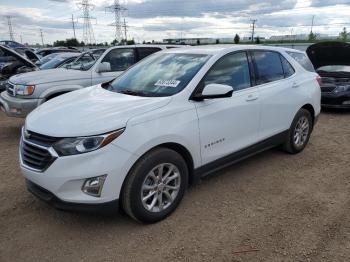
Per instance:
(132,93)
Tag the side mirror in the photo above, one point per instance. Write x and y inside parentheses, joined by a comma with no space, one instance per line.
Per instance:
(212,91)
(104,67)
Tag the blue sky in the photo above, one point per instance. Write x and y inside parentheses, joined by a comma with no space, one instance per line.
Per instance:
(158,19)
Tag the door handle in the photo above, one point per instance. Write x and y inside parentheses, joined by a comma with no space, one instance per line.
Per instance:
(251,97)
(295,85)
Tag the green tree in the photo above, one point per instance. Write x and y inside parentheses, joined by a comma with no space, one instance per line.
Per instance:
(257,40)
(312,36)
(72,42)
(217,41)
(237,39)
(115,42)
(130,42)
(344,35)
(198,42)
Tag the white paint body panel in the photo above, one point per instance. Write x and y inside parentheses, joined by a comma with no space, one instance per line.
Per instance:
(235,123)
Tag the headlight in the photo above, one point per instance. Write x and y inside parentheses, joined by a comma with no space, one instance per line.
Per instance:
(23,90)
(80,145)
(341,89)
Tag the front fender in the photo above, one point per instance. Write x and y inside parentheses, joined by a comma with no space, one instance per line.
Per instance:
(59,89)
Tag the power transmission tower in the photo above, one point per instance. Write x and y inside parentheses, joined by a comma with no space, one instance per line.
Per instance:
(10,28)
(88,33)
(253,28)
(118,10)
(42,37)
(73,24)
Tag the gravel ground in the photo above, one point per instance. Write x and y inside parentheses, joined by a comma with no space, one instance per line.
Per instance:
(275,206)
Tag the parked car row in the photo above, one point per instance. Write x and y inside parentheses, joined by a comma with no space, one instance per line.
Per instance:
(145,121)
(25,92)
(175,116)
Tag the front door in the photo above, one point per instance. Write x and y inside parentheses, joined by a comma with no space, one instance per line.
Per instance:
(227,125)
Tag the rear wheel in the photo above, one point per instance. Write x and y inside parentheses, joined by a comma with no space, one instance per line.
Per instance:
(155,186)
(299,132)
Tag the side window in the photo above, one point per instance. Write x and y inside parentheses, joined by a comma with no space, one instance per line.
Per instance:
(303,60)
(120,59)
(287,67)
(232,70)
(146,51)
(268,65)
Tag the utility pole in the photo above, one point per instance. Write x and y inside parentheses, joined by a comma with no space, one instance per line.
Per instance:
(73,24)
(312,24)
(42,37)
(118,10)
(10,28)
(125,30)
(21,39)
(253,28)
(88,33)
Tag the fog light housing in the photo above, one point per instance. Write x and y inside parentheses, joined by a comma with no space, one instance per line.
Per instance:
(93,186)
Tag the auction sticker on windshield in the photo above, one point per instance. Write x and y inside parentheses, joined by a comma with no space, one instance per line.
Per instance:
(167,83)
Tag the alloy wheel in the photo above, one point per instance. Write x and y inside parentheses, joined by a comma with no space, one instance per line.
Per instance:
(160,187)
(301,131)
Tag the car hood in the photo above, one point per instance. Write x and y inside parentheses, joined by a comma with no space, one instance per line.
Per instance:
(329,53)
(89,111)
(23,59)
(49,76)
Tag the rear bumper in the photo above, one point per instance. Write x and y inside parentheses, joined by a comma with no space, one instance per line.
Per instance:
(50,198)
(334,100)
(17,107)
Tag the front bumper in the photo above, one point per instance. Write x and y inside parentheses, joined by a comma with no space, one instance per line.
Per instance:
(17,107)
(335,100)
(62,181)
(48,197)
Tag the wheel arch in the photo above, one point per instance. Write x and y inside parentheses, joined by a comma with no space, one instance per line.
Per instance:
(311,109)
(178,148)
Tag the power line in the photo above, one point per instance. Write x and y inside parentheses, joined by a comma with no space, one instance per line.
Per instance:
(88,33)
(10,28)
(118,10)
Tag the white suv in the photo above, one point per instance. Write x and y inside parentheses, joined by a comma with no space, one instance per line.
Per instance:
(167,121)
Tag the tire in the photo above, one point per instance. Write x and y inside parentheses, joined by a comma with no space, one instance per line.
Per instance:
(143,182)
(299,132)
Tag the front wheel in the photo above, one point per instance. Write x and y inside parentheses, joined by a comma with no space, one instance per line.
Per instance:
(299,132)
(155,185)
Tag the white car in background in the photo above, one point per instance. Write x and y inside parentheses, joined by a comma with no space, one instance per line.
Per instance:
(169,120)
(27,91)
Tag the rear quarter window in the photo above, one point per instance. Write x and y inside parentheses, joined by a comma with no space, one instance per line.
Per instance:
(268,66)
(303,60)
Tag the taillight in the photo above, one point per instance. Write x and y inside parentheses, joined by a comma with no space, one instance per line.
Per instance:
(319,80)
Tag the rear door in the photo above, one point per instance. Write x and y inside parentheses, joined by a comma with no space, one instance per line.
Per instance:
(277,84)
(228,124)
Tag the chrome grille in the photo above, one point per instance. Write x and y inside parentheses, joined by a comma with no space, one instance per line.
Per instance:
(330,83)
(10,88)
(36,151)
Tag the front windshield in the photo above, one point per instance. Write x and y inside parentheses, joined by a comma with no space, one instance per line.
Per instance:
(83,62)
(47,58)
(335,68)
(53,63)
(159,75)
